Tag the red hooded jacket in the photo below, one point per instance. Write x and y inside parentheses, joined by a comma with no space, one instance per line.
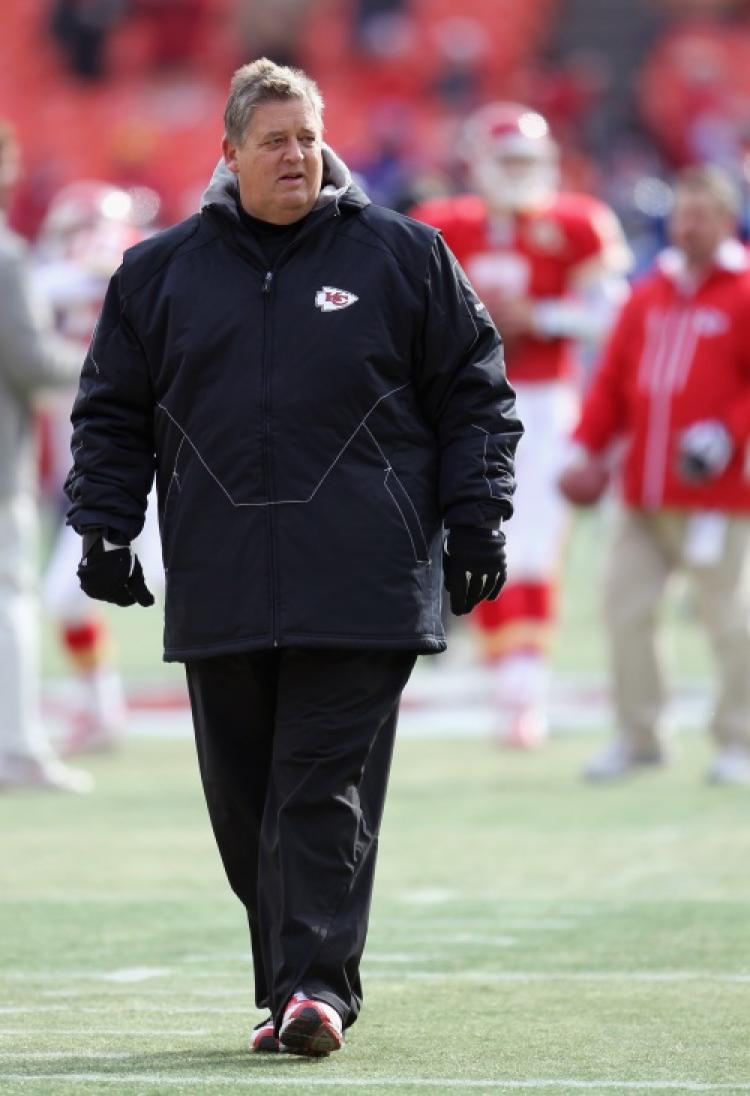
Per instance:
(676,356)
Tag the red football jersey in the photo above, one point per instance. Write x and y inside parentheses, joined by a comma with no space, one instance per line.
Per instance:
(531,254)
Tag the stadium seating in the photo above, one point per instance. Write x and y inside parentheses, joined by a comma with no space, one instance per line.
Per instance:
(157,122)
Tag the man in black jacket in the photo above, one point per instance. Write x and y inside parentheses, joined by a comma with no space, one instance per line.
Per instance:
(319,392)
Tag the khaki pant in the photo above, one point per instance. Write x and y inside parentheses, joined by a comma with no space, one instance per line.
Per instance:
(20,728)
(647,549)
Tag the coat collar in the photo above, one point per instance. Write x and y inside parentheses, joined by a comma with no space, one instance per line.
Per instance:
(731,256)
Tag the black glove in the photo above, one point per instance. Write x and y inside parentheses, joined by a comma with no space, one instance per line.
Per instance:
(112,572)
(705,450)
(474,566)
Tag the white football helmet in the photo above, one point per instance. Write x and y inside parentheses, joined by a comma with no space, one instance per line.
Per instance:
(91,223)
(83,204)
(512,160)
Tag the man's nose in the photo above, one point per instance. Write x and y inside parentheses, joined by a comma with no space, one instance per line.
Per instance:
(293,150)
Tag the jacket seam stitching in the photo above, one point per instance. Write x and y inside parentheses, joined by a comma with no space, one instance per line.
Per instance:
(484,458)
(387,247)
(389,470)
(175,253)
(280,502)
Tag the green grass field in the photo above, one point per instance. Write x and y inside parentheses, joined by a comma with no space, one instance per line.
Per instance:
(529,933)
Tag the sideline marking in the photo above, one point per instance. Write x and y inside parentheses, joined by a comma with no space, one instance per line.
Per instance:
(292,1081)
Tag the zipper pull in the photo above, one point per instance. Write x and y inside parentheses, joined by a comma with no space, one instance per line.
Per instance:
(267,282)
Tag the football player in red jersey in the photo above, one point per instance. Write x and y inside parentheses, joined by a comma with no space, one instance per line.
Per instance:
(550,268)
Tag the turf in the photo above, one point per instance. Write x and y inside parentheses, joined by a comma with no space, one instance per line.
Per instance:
(529,933)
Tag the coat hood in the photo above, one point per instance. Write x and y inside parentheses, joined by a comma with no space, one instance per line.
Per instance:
(338,185)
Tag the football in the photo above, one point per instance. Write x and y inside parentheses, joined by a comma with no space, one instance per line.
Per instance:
(584,482)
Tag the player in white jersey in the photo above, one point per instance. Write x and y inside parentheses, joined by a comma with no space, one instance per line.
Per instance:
(88,226)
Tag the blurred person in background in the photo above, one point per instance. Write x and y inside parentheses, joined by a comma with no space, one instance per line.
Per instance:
(270,28)
(550,268)
(81,29)
(318,389)
(88,226)
(31,359)
(674,387)
(178,30)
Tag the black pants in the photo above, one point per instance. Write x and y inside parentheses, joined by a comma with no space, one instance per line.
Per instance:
(295,748)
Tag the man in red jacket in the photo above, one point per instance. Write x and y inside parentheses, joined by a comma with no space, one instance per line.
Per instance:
(674,386)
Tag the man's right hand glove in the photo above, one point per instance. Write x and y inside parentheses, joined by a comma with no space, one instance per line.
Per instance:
(474,566)
(112,572)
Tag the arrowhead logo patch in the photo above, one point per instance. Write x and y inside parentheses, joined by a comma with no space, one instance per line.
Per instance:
(330,299)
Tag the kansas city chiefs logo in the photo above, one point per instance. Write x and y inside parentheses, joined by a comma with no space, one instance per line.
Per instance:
(330,299)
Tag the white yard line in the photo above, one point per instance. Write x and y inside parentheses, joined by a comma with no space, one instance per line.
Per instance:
(199,1010)
(203,1080)
(127,976)
(496,940)
(85,1032)
(110,992)
(54,1055)
(647,976)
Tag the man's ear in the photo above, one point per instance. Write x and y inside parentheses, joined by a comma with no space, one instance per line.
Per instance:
(229,151)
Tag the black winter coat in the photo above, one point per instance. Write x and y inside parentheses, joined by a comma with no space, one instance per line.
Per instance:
(311,427)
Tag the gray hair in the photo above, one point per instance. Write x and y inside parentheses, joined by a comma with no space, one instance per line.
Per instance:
(714,181)
(263,81)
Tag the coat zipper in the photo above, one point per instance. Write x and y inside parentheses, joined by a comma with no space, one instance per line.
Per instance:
(266,291)
(267,364)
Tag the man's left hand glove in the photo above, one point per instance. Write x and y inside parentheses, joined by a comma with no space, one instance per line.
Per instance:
(474,566)
(705,450)
(112,572)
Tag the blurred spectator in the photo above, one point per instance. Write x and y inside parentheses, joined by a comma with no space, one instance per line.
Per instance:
(270,28)
(695,93)
(30,359)
(633,184)
(549,267)
(379,25)
(178,29)
(674,387)
(81,28)
(688,9)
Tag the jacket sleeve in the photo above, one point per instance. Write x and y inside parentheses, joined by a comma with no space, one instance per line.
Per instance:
(466,397)
(112,444)
(605,408)
(33,356)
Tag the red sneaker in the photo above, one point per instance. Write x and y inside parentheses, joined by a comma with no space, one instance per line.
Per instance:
(263,1037)
(310,1027)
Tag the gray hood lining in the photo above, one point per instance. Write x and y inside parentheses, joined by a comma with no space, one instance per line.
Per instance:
(223,189)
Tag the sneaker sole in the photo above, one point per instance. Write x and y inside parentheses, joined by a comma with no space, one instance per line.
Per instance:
(310,1034)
